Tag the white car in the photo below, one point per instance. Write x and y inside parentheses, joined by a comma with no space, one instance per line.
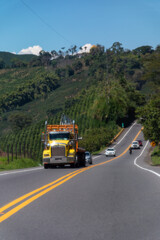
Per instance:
(110,152)
(135,145)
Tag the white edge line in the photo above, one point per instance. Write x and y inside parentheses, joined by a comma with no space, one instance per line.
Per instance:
(28,170)
(121,139)
(145,169)
(126,133)
(40,168)
(97,156)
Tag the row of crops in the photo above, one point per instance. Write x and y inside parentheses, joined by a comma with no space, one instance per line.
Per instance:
(28,140)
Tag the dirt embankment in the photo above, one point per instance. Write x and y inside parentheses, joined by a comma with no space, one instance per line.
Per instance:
(148,157)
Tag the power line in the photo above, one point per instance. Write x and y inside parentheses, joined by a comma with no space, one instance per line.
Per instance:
(44,22)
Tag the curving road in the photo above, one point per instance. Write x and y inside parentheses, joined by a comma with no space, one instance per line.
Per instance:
(114,199)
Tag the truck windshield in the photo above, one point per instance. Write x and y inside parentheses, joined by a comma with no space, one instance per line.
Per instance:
(59,136)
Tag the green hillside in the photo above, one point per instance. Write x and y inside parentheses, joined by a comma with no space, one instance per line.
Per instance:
(8,57)
(100,90)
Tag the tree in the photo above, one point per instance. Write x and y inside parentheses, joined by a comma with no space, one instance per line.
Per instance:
(70,71)
(157,49)
(73,49)
(20,120)
(117,48)
(2,63)
(152,69)
(149,116)
(97,50)
(54,54)
(45,58)
(35,62)
(100,108)
(143,50)
(16,63)
(78,65)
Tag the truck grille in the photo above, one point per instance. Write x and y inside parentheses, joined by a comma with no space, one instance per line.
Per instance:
(58,151)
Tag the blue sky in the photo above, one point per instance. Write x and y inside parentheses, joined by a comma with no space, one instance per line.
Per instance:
(52,24)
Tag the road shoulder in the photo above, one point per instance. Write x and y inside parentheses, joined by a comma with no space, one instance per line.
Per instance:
(144,162)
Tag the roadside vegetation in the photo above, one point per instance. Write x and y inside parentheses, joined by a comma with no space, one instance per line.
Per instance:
(17,163)
(100,90)
(155,156)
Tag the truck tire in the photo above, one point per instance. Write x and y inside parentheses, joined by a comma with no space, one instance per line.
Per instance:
(45,166)
(83,163)
(76,164)
(72,165)
(82,160)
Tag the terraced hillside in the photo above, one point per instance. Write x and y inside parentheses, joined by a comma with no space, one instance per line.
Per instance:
(100,90)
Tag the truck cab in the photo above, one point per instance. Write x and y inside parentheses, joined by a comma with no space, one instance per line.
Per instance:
(61,146)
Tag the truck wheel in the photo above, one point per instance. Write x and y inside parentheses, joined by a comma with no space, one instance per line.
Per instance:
(83,161)
(72,165)
(45,166)
(76,164)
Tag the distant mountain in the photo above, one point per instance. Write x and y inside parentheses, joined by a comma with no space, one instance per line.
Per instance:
(8,57)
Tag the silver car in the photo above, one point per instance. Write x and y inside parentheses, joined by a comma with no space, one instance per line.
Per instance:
(88,157)
(110,152)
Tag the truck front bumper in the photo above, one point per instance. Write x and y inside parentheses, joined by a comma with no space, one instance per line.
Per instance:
(59,160)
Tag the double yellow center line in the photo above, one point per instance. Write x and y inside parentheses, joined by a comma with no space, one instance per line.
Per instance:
(32,196)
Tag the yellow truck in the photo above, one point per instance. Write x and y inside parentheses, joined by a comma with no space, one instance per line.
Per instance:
(61,146)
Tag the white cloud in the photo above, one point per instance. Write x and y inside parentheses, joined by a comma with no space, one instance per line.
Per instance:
(86,48)
(31,50)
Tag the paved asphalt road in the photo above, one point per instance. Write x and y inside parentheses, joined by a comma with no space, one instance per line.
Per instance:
(116,200)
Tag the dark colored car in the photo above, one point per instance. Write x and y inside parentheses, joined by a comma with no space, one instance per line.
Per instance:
(88,157)
(140,143)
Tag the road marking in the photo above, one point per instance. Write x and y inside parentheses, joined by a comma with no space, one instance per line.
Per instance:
(145,169)
(28,201)
(21,171)
(41,168)
(126,133)
(49,187)
(122,138)
(122,152)
(96,157)
(33,192)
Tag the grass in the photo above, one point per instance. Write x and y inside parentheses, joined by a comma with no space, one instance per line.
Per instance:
(17,163)
(155,157)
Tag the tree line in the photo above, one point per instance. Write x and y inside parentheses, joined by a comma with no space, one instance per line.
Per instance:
(46,58)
